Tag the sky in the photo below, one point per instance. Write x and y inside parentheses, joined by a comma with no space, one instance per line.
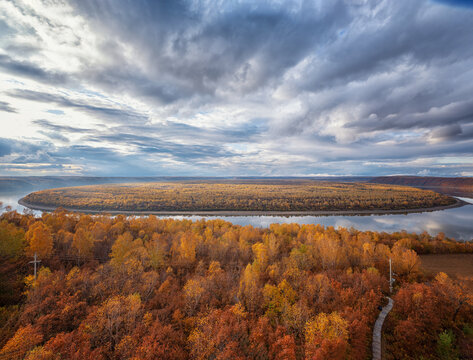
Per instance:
(236,88)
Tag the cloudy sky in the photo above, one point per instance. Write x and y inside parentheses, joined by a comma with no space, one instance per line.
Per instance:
(221,88)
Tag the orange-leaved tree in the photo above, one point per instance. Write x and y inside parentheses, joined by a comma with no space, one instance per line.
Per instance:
(24,340)
(40,240)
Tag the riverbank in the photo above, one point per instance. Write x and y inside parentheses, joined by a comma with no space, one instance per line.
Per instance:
(457,204)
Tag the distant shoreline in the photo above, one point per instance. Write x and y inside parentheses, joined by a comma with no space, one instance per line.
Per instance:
(458,203)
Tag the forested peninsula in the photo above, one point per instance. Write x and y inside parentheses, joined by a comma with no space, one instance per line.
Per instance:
(241,196)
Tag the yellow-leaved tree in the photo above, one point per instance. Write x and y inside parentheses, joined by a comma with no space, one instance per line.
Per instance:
(82,243)
(40,240)
(326,337)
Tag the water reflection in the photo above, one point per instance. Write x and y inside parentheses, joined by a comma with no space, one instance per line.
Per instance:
(10,199)
(456,223)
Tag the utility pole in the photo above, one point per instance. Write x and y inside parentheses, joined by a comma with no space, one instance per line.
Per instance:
(391,280)
(35,262)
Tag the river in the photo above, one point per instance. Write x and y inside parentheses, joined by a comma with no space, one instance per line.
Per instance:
(456,223)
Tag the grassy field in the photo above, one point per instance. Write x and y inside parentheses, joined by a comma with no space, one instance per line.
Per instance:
(283,196)
(457,266)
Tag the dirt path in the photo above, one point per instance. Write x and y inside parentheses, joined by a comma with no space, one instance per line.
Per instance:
(378,326)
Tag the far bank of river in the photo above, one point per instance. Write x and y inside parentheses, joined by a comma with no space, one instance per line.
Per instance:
(455,222)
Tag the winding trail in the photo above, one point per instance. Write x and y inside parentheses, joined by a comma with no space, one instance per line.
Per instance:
(378,326)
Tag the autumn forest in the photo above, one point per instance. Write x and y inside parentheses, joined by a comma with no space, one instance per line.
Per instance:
(236,180)
(147,288)
(256,195)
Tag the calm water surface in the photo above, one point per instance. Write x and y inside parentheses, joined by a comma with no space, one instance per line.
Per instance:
(456,223)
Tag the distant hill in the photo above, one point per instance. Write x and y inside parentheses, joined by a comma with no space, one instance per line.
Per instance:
(25,184)
(457,186)
(11,184)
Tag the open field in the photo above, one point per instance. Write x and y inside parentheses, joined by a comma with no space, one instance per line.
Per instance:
(455,186)
(239,196)
(457,266)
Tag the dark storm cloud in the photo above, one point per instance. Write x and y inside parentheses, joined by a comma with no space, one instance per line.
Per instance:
(460,144)
(34,156)
(86,153)
(411,71)
(447,132)
(4,106)
(125,79)
(453,132)
(414,36)
(193,49)
(249,131)
(280,40)
(30,70)
(11,146)
(46,124)
(110,113)
(54,136)
(450,114)
(105,161)
(152,145)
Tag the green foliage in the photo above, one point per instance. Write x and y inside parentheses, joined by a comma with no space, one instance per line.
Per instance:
(302,257)
(446,346)
(12,240)
(468,330)
(278,298)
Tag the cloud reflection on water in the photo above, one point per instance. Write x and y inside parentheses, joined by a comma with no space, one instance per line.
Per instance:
(455,223)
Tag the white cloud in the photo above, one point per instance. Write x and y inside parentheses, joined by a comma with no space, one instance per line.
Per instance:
(246,88)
